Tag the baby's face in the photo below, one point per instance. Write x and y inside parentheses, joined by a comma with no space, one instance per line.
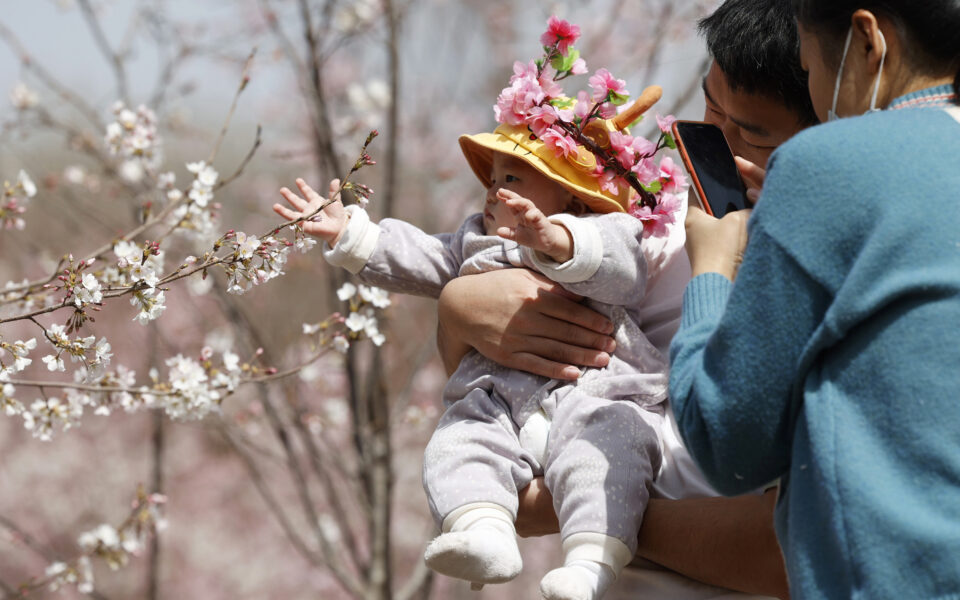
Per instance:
(516,175)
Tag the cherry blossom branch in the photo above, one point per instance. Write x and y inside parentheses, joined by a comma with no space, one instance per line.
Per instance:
(114,545)
(113,58)
(244,80)
(50,81)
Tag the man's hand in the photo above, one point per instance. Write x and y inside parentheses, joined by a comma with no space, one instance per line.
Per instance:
(328,224)
(753,176)
(534,230)
(523,321)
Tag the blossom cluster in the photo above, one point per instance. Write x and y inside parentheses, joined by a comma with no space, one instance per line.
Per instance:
(361,321)
(113,545)
(355,15)
(570,127)
(194,387)
(197,217)
(255,260)
(140,266)
(22,97)
(133,137)
(16,197)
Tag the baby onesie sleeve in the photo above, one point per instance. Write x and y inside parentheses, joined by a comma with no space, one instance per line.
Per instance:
(608,263)
(398,256)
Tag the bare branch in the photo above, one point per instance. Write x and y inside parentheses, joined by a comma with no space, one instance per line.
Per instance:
(113,58)
(244,80)
(272,504)
(51,81)
(28,540)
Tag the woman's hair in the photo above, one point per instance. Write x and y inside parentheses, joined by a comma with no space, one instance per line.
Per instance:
(930,29)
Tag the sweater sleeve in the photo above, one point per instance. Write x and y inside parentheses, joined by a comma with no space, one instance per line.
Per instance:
(397,256)
(608,263)
(733,377)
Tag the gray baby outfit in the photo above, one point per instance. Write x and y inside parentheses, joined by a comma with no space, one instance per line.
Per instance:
(603,448)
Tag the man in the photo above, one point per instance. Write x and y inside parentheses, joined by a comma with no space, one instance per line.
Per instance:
(756,93)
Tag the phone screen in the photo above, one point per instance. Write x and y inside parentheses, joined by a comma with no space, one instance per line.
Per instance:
(710,161)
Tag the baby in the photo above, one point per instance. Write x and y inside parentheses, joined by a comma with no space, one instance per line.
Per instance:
(595,440)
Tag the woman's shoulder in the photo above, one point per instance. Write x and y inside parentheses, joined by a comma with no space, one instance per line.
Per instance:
(879,137)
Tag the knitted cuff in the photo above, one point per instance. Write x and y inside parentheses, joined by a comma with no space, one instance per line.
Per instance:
(705,296)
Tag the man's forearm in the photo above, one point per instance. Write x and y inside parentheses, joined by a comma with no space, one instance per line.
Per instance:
(727,542)
(451,348)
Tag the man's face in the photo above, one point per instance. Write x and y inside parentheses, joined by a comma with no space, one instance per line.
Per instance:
(754,125)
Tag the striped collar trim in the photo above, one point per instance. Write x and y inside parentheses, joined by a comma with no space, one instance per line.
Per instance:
(935,97)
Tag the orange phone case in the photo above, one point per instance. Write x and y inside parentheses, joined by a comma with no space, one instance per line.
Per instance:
(698,188)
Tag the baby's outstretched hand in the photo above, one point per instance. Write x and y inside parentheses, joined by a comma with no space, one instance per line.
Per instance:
(328,224)
(534,230)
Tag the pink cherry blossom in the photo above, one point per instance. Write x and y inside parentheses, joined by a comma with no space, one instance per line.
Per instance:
(603,82)
(579,67)
(609,181)
(546,80)
(665,123)
(644,147)
(561,33)
(672,176)
(646,170)
(583,106)
(655,220)
(608,110)
(622,145)
(541,118)
(562,145)
(524,93)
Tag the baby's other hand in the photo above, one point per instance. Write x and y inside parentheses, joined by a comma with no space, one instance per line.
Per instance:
(328,224)
(533,229)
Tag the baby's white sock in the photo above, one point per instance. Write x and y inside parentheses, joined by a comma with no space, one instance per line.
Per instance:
(591,562)
(480,545)
(577,580)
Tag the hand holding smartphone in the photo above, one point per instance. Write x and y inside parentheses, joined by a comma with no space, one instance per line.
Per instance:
(709,161)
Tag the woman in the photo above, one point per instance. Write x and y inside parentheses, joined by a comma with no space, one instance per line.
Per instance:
(833,362)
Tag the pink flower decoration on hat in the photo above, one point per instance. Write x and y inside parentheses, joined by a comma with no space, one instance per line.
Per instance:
(671,176)
(655,220)
(603,82)
(562,145)
(561,33)
(665,123)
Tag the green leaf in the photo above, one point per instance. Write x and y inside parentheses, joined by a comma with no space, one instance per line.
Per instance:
(668,139)
(562,102)
(653,187)
(618,99)
(565,63)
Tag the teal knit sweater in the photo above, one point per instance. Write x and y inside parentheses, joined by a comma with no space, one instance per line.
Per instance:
(833,362)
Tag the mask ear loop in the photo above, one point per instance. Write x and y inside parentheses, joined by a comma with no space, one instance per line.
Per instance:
(836,88)
(876,87)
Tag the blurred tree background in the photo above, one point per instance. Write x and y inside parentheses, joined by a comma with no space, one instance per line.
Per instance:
(309,486)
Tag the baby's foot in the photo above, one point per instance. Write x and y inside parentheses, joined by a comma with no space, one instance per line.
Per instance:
(579,580)
(479,554)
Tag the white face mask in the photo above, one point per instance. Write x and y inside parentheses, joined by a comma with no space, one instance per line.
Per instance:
(832,115)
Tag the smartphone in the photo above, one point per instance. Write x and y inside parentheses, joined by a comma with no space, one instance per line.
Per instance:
(709,161)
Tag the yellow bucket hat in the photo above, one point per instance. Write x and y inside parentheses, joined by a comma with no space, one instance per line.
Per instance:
(575,173)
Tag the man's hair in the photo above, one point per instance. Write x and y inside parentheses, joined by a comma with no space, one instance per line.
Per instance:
(756,45)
